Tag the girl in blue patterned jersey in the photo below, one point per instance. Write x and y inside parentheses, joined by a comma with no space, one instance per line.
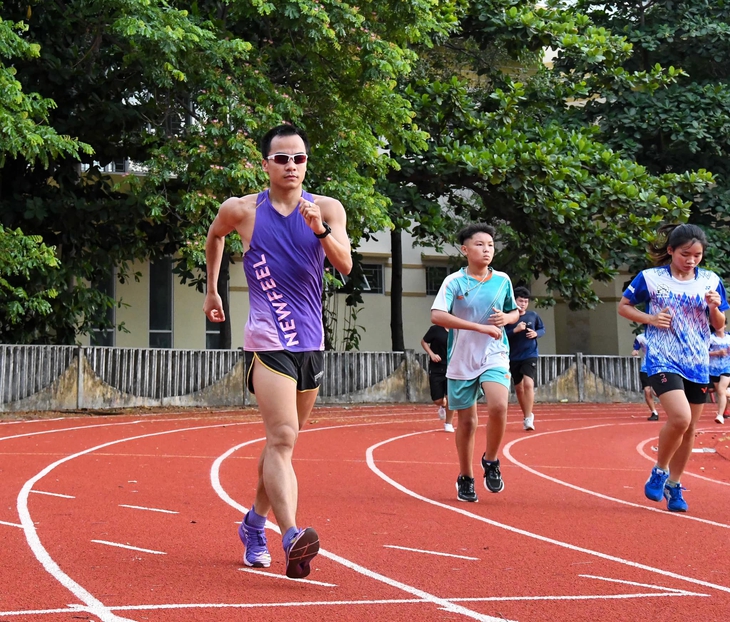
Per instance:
(682,301)
(720,369)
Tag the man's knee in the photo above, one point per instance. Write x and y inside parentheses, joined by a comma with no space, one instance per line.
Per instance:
(281,437)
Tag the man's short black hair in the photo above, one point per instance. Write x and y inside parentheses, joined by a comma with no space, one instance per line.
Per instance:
(471,230)
(282,130)
(522,292)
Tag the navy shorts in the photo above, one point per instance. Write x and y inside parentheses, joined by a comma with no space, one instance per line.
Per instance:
(304,368)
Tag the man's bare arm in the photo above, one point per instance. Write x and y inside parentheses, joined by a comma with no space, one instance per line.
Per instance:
(230,216)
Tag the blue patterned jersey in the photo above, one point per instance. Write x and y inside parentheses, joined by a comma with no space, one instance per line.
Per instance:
(683,348)
(720,364)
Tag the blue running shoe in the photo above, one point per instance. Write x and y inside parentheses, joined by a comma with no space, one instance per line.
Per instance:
(257,554)
(675,502)
(654,487)
(302,549)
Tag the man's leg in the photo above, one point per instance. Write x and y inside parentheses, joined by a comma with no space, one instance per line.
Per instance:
(449,411)
(721,393)
(497,397)
(465,434)
(305,403)
(522,398)
(278,403)
(649,399)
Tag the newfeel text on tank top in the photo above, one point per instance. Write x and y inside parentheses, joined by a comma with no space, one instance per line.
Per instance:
(284,268)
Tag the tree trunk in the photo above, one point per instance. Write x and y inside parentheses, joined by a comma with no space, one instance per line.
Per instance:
(223,291)
(396,291)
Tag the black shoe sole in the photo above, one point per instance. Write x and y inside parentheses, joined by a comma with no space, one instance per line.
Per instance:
(303,551)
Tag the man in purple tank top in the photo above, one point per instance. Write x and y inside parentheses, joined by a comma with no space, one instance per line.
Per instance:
(286,235)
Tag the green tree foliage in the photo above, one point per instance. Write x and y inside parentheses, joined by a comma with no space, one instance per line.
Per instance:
(25,261)
(685,126)
(185,90)
(567,206)
(22,260)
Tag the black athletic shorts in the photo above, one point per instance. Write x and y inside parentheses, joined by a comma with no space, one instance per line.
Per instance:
(717,378)
(644,379)
(525,367)
(304,368)
(437,382)
(663,382)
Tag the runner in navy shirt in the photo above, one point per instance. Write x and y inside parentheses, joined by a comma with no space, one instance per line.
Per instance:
(523,354)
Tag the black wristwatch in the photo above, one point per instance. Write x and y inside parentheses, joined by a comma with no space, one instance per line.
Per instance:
(325,233)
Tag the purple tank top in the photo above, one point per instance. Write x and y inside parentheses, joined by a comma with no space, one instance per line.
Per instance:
(284,266)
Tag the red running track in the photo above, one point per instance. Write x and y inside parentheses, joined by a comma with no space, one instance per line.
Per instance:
(135,517)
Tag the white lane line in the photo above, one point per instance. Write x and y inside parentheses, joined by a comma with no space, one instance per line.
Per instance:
(139,507)
(57,430)
(440,602)
(347,603)
(127,546)
(500,599)
(51,494)
(659,509)
(93,605)
(405,548)
(640,449)
(271,575)
(634,583)
(522,532)
(2,522)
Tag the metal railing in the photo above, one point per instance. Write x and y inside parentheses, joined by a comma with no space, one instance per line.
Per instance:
(159,373)
(72,377)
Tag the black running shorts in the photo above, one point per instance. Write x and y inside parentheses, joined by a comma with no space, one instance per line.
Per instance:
(520,369)
(437,382)
(304,368)
(644,379)
(664,382)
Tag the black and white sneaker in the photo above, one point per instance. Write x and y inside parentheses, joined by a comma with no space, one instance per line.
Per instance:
(465,489)
(492,475)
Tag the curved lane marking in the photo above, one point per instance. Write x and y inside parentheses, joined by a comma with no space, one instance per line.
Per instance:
(91,603)
(640,449)
(593,493)
(442,603)
(522,532)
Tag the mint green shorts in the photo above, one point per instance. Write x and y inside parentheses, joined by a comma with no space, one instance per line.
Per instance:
(464,393)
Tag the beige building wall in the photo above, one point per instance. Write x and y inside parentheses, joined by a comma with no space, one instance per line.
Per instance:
(596,331)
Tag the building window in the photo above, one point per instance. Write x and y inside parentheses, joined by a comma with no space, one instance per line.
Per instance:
(161,303)
(373,278)
(435,276)
(104,336)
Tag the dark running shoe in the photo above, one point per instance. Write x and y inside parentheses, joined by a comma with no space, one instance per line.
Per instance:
(300,552)
(465,489)
(492,475)
(653,417)
(257,553)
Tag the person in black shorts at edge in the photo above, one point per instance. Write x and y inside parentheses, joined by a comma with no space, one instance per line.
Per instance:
(523,354)
(434,343)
